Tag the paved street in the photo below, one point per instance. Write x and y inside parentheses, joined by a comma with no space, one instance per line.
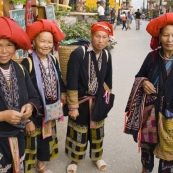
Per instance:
(120,151)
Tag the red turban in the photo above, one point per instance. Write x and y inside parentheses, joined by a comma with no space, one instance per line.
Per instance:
(102,26)
(153,28)
(44,25)
(12,31)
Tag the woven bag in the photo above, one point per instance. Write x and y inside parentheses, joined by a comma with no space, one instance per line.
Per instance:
(64,55)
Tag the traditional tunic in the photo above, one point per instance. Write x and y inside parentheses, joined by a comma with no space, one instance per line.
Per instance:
(157,121)
(82,80)
(22,92)
(37,147)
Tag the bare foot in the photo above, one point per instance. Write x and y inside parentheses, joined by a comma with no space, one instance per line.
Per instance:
(143,170)
(40,167)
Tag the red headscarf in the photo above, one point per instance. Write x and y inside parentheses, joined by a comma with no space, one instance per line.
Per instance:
(44,25)
(12,31)
(153,28)
(102,26)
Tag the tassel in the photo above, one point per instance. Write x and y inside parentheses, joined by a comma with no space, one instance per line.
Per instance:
(125,120)
(56,46)
(154,44)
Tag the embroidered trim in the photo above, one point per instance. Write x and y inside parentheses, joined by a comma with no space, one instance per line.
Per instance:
(105,27)
(78,128)
(72,99)
(49,80)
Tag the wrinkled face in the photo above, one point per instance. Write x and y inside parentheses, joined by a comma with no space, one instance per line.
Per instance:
(43,43)
(166,38)
(99,40)
(7,50)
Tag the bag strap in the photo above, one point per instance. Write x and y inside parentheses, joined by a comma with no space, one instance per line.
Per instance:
(30,64)
(22,69)
(83,47)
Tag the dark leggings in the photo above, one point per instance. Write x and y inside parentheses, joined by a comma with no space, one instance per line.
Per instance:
(147,159)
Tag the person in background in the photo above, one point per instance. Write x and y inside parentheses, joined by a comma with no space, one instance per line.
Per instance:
(150,106)
(88,68)
(41,139)
(137,15)
(129,20)
(101,12)
(113,15)
(124,19)
(19,101)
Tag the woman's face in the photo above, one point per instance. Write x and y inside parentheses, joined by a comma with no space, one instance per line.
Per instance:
(99,40)
(166,38)
(7,50)
(43,43)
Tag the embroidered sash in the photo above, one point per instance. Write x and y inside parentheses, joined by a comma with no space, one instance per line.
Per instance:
(15,154)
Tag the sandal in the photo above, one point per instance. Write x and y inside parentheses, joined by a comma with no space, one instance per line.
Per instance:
(72,167)
(100,164)
(39,170)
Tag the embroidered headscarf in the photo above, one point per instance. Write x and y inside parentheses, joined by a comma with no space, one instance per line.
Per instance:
(11,30)
(153,28)
(102,26)
(44,25)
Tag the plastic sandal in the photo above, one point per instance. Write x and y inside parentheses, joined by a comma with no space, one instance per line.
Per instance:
(72,167)
(100,164)
(47,171)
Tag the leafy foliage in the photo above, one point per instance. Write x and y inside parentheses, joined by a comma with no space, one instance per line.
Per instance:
(17,1)
(61,12)
(43,1)
(169,2)
(77,30)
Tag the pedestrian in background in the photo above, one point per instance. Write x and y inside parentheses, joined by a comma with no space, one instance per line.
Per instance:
(150,105)
(101,12)
(124,19)
(137,16)
(19,101)
(89,67)
(113,15)
(43,68)
(129,20)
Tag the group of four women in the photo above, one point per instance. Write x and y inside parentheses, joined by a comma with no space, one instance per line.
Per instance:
(31,96)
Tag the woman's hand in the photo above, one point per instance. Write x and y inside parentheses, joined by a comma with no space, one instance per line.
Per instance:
(73,113)
(148,87)
(11,116)
(27,111)
(30,128)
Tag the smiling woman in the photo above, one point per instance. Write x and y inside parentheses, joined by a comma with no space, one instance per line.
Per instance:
(152,98)
(7,50)
(19,100)
(46,77)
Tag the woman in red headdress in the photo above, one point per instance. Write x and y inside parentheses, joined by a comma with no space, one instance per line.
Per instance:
(150,106)
(88,68)
(41,139)
(19,100)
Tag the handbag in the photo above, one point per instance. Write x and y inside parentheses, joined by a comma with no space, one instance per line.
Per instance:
(104,103)
(54,111)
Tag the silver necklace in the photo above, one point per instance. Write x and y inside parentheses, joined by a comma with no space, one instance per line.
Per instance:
(166,59)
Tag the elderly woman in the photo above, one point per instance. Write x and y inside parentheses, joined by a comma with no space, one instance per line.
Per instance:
(46,77)
(88,68)
(19,100)
(150,106)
